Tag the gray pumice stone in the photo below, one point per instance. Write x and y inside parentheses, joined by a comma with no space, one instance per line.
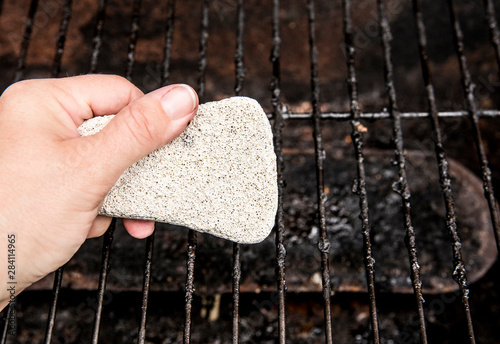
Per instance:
(217,177)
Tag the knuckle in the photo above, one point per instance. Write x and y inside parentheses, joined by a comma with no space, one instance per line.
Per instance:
(16,95)
(109,78)
(17,88)
(29,89)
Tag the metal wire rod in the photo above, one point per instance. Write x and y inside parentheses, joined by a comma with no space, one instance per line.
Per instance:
(278,148)
(473,110)
(459,271)
(134,34)
(493,27)
(344,116)
(103,275)
(97,38)
(148,260)
(10,308)
(167,48)
(202,60)
(401,186)
(61,38)
(360,184)
(191,256)
(323,244)
(238,86)
(28,30)
(56,68)
(51,320)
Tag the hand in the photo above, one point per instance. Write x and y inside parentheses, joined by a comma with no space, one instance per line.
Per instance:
(53,182)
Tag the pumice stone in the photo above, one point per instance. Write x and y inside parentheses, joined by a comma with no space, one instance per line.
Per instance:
(217,177)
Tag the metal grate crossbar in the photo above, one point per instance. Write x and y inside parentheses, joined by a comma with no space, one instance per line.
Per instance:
(279,116)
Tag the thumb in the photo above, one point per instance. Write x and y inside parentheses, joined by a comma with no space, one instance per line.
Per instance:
(146,124)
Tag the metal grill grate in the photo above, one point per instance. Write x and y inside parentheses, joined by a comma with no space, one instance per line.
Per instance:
(280,115)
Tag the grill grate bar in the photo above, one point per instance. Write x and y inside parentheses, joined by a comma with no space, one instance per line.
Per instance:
(165,73)
(56,69)
(10,309)
(386,115)
(97,39)
(360,185)
(239,54)
(5,330)
(28,30)
(169,31)
(108,236)
(202,61)
(192,236)
(61,38)
(134,34)
(191,256)
(278,142)
(103,275)
(493,27)
(402,183)
(472,109)
(323,244)
(145,287)
(459,272)
(239,79)
(236,291)
(51,320)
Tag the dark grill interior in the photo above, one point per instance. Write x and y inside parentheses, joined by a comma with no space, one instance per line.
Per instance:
(387,228)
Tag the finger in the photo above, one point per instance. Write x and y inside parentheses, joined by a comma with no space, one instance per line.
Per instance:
(99,226)
(139,229)
(82,97)
(144,125)
(97,95)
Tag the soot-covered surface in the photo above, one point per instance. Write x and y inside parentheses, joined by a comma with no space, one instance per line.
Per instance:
(214,256)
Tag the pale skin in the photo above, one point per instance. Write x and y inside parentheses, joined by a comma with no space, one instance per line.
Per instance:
(53,182)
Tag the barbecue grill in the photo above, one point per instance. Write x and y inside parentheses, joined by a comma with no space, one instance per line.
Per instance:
(387,228)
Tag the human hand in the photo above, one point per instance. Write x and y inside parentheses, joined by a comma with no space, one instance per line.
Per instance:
(53,182)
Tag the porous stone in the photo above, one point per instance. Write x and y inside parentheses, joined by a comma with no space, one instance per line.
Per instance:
(218,176)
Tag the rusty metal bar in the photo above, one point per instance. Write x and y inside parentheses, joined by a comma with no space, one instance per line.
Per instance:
(148,260)
(360,183)
(401,186)
(103,275)
(51,320)
(5,330)
(473,109)
(61,38)
(191,256)
(493,27)
(192,236)
(202,61)
(239,54)
(344,116)
(28,30)
(134,34)
(236,292)
(278,149)
(56,68)
(459,272)
(323,244)
(169,31)
(239,78)
(97,39)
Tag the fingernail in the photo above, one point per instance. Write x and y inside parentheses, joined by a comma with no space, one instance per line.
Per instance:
(180,101)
